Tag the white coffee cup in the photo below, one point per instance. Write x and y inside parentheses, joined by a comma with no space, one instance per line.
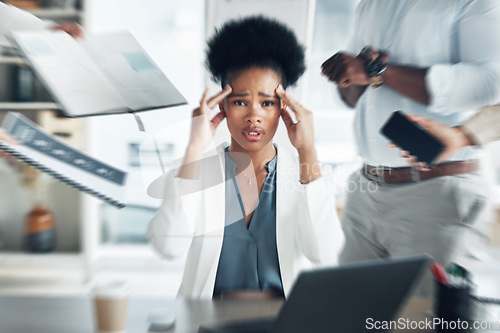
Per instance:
(110,305)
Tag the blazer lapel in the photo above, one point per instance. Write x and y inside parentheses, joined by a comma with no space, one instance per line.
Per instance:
(286,226)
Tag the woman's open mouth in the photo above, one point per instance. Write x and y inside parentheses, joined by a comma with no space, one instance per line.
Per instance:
(253,134)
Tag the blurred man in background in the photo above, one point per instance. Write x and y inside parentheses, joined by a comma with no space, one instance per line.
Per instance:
(433,59)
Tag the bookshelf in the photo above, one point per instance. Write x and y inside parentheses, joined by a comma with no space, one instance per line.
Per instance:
(11,60)
(66,204)
(19,90)
(27,106)
(58,14)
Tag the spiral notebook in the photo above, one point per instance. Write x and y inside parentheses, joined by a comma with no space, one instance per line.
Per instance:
(49,154)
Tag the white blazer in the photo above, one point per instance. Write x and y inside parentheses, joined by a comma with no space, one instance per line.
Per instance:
(192,218)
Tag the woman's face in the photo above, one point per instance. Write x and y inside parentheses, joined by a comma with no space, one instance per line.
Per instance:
(252,109)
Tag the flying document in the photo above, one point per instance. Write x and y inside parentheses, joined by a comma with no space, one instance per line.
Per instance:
(103,74)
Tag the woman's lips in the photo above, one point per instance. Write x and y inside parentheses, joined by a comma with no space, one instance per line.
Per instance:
(253,134)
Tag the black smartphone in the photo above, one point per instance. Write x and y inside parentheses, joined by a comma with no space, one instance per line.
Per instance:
(412,138)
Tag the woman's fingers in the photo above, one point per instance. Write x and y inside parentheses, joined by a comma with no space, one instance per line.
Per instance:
(204,97)
(212,102)
(287,119)
(203,101)
(217,119)
(207,104)
(294,105)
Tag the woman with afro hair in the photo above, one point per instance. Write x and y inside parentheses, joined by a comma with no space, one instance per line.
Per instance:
(249,214)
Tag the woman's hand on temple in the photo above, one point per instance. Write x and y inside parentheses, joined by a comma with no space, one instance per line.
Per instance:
(301,133)
(203,129)
(301,136)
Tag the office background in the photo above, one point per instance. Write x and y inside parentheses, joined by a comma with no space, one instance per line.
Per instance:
(94,239)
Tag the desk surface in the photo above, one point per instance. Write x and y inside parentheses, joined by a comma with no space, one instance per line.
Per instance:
(25,314)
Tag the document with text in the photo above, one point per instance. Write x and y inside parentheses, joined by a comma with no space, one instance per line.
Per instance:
(101,74)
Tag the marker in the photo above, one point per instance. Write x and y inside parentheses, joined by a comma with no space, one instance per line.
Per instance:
(459,275)
(438,272)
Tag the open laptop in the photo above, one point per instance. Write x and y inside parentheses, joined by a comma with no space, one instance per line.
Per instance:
(341,299)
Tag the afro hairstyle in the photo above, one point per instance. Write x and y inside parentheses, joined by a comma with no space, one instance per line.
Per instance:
(255,41)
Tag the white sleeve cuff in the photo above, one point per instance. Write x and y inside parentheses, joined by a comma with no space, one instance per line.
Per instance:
(484,126)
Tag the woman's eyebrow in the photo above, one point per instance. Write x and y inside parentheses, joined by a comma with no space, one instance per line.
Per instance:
(232,95)
(238,95)
(267,95)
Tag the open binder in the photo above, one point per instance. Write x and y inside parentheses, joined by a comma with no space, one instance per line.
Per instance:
(49,154)
(103,74)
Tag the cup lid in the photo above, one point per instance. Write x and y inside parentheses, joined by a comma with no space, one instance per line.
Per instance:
(161,319)
(111,289)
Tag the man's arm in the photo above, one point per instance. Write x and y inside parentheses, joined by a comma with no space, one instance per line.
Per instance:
(408,81)
(350,95)
(350,74)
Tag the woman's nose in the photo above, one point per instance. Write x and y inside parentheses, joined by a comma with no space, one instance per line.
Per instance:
(254,114)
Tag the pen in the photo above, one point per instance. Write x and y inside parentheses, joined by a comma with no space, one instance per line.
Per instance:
(438,272)
(459,275)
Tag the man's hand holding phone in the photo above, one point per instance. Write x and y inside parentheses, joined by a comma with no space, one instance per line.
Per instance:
(453,139)
(420,146)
